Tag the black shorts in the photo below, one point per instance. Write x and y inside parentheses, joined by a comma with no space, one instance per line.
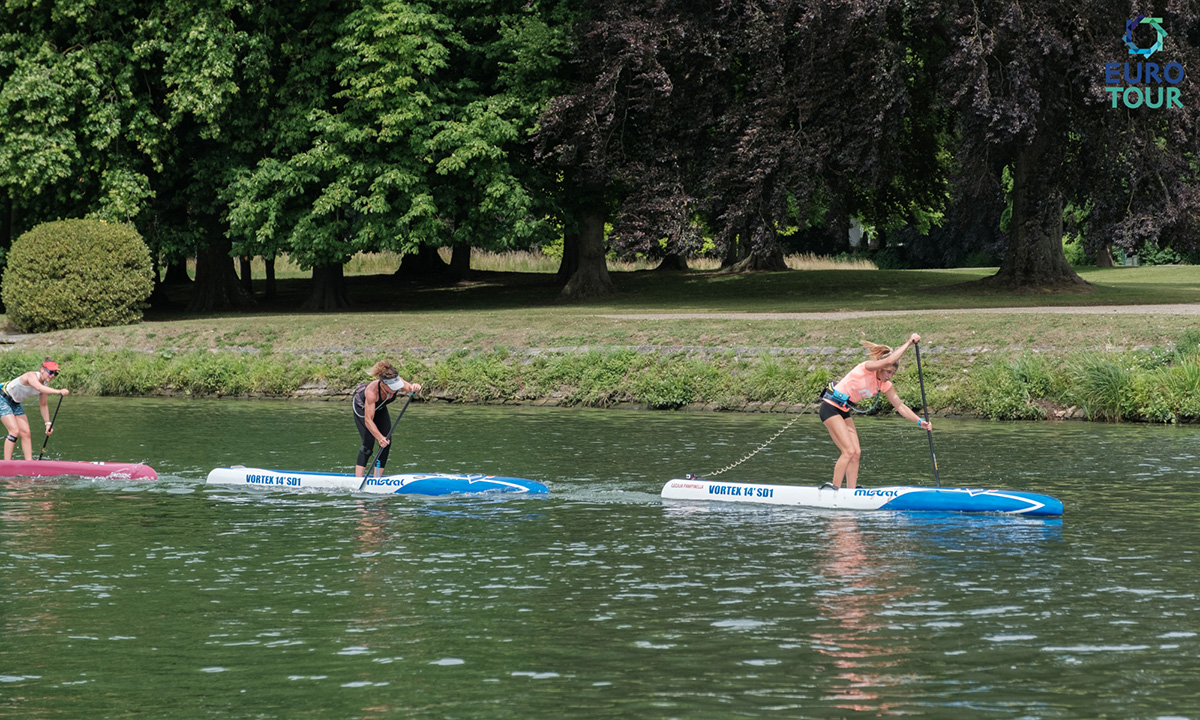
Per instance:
(827,411)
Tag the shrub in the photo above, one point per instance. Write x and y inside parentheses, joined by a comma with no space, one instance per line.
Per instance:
(1036,374)
(999,392)
(1102,387)
(772,381)
(76,274)
(1075,252)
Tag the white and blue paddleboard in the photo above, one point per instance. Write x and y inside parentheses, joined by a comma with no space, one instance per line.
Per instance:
(897,497)
(405,484)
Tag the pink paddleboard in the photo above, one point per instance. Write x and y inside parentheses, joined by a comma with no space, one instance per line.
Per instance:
(57,468)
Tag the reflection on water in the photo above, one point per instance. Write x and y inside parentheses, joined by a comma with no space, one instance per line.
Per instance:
(600,600)
(859,588)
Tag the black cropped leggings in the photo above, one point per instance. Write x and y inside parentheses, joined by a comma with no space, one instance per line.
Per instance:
(382,421)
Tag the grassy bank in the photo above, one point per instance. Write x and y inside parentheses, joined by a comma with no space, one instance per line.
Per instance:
(1159,384)
(503,338)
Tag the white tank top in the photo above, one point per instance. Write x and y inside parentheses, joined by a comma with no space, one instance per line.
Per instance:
(19,391)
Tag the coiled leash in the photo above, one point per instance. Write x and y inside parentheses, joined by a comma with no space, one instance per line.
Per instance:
(841,399)
(756,451)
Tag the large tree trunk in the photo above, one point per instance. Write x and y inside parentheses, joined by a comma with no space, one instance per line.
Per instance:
(590,279)
(759,254)
(217,286)
(1104,258)
(673,261)
(1035,259)
(328,289)
(246,276)
(425,264)
(735,252)
(270,279)
(839,227)
(766,260)
(177,273)
(570,257)
(460,261)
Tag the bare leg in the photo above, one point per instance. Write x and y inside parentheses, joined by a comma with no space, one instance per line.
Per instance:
(26,437)
(845,436)
(10,424)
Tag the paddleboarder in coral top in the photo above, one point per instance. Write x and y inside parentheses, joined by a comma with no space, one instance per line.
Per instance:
(16,391)
(865,381)
(371,415)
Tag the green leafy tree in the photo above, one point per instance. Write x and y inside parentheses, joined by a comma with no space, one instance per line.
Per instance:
(422,143)
(75,138)
(134,111)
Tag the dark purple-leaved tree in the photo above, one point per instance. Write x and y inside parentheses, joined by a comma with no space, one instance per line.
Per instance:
(743,120)
(749,119)
(1027,83)
(616,136)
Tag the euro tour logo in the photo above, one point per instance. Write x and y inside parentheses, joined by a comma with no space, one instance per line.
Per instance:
(1148,84)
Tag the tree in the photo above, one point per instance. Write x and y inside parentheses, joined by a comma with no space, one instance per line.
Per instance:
(75,138)
(134,111)
(421,142)
(1027,83)
(217,70)
(618,140)
(734,117)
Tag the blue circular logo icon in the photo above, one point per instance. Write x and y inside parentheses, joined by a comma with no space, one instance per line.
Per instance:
(1155,23)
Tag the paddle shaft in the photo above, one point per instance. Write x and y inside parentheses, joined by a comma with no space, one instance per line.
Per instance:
(388,437)
(56,407)
(925,409)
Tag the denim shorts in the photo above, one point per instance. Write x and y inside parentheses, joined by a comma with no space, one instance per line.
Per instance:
(10,408)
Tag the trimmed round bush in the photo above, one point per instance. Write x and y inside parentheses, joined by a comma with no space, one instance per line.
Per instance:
(77,274)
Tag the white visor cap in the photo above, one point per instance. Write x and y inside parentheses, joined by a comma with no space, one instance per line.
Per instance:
(394,383)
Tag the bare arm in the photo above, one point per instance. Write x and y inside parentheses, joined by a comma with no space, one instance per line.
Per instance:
(893,357)
(35,382)
(904,410)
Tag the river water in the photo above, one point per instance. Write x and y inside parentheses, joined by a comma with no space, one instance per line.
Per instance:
(175,599)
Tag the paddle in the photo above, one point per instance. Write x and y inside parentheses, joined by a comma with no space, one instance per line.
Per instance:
(56,407)
(371,458)
(925,408)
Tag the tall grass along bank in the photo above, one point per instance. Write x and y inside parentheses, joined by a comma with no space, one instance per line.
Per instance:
(1156,384)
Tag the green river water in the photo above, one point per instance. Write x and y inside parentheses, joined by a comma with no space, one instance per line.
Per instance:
(176,599)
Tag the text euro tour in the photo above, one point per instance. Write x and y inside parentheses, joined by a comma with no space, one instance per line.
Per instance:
(1123,81)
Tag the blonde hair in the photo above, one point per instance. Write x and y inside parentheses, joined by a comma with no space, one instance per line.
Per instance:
(876,351)
(384,370)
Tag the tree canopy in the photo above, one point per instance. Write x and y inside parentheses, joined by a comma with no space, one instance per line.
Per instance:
(751,118)
(418,142)
(322,128)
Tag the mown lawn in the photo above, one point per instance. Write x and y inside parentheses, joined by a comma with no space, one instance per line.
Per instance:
(522,310)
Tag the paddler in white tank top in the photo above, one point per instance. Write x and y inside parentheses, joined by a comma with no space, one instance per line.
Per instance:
(865,381)
(16,391)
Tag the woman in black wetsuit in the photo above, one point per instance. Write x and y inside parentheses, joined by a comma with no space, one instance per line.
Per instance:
(371,416)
